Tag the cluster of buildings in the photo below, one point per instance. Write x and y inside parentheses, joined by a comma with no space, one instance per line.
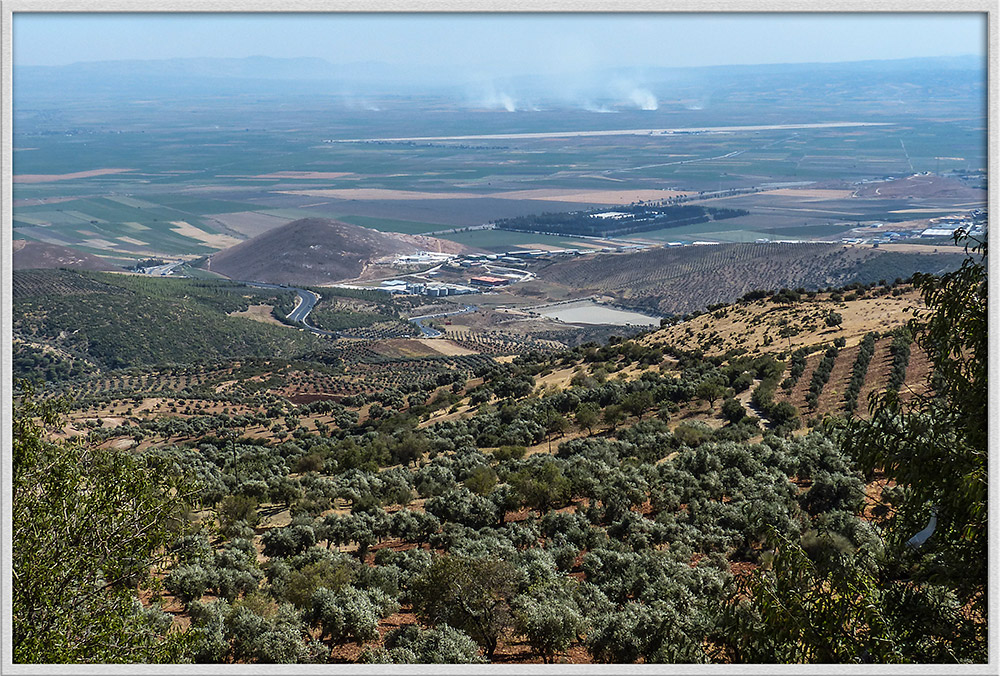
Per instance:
(432,289)
(973,223)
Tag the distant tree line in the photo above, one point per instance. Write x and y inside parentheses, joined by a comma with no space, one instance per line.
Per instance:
(639,218)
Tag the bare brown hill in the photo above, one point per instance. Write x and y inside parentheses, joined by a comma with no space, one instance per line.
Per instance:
(317,251)
(677,280)
(39,255)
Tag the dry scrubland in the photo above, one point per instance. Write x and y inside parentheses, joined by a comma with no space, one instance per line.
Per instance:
(764,326)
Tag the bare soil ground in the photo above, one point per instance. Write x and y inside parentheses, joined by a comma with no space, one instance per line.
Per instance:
(878,374)
(212,239)
(445,346)
(831,399)
(251,223)
(49,178)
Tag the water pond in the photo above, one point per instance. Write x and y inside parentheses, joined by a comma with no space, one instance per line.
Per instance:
(589,312)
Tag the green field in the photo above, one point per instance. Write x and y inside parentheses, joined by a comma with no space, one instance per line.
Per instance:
(212,160)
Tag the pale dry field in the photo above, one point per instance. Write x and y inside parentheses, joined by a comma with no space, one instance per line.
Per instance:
(187,230)
(258,313)
(99,243)
(445,347)
(544,194)
(377,194)
(250,223)
(49,178)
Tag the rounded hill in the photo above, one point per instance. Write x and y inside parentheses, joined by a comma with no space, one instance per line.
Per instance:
(317,251)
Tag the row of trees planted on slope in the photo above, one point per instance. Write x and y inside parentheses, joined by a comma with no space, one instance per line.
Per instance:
(623,543)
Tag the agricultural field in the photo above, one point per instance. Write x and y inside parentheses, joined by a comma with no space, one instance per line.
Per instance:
(146,170)
(733,473)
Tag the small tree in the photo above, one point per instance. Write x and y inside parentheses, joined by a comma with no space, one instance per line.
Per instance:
(613,415)
(733,411)
(549,618)
(472,595)
(587,415)
(710,391)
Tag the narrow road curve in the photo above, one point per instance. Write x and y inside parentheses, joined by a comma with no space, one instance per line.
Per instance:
(307,301)
(429,332)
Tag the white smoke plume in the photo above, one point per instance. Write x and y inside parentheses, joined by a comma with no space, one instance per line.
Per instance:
(643,99)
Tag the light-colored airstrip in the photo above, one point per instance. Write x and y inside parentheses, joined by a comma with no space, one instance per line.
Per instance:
(818,194)
(552,195)
(591,196)
(379,194)
(48,178)
(185,229)
(304,174)
(623,132)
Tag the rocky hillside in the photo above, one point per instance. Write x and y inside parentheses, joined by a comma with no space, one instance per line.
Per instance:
(33,255)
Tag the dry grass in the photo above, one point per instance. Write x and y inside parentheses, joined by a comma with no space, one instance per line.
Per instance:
(748,325)
(258,313)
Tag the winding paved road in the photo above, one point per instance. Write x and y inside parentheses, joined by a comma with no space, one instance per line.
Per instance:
(307,301)
(434,333)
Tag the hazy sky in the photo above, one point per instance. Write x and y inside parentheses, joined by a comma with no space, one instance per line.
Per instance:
(500,43)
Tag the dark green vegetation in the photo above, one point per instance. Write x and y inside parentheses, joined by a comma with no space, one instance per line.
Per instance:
(858,372)
(90,526)
(645,535)
(906,597)
(626,220)
(115,321)
(287,499)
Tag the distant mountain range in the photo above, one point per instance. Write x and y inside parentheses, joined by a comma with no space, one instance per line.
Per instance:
(262,74)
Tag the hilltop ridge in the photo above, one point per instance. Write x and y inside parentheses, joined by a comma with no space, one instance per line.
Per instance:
(317,251)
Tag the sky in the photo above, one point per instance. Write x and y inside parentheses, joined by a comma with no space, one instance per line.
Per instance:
(500,44)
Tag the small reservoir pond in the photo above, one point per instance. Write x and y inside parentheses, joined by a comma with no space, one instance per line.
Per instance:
(589,312)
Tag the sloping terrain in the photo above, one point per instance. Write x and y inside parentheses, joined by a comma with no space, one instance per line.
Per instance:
(765,326)
(317,251)
(32,255)
(676,280)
